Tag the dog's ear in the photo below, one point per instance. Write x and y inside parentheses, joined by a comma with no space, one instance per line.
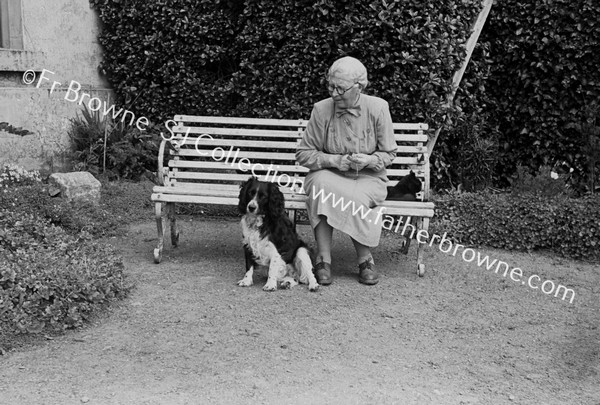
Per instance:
(243,197)
(276,201)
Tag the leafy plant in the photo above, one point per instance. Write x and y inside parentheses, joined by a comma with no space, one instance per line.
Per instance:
(53,273)
(114,150)
(470,153)
(130,153)
(87,134)
(545,183)
(52,280)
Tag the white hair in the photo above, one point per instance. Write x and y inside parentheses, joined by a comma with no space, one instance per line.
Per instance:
(350,69)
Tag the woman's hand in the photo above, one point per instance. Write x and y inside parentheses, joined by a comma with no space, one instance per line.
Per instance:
(359,161)
(344,164)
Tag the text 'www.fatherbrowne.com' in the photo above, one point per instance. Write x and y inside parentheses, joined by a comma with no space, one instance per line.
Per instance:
(446,245)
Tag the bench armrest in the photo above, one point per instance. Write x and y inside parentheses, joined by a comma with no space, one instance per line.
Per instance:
(161,175)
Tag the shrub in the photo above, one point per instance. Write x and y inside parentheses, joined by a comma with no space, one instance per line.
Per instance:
(544,76)
(545,183)
(53,273)
(576,228)
(589,127)
(73,217)
(532,75)
(121,203)
(268,59)
(526,222)
(112,150)
(51,280)
(468,155)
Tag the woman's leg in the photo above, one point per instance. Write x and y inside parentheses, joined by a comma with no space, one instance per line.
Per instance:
(363,253)
(323,236)
(366,266)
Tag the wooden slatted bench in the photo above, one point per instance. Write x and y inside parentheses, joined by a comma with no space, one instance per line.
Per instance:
(209,157)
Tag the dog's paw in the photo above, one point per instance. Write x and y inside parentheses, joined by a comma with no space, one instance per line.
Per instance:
(245,282)
(270,286)
(313,287)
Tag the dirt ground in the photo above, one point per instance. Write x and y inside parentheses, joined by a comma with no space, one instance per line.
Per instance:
(189,335)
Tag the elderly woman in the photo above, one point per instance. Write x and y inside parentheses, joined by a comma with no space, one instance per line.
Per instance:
(348,143)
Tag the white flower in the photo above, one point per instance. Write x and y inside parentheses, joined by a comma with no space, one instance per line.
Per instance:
(554,175)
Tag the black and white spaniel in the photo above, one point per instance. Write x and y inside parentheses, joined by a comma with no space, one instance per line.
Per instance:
(270,238)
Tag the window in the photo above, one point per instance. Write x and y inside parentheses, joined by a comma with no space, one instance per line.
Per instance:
(11,29)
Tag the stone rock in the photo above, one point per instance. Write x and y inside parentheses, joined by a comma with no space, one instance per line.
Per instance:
(76,186)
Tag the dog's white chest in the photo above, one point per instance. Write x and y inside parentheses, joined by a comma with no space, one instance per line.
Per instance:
(262,249)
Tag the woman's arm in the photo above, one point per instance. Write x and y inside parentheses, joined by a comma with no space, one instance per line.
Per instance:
(386,144)
(310,152)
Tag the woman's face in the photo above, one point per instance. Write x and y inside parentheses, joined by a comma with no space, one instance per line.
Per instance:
(344,92)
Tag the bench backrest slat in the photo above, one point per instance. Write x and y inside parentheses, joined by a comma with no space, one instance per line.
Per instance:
(236,132)
(281,168)
(241,143)
(237,121)
(207,151)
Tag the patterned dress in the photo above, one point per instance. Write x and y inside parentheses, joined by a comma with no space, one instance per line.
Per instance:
(347,198)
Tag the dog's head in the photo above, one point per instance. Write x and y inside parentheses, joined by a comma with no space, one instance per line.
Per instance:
(260,198)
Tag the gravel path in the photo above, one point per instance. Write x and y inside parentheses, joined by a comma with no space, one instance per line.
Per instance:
(189,335)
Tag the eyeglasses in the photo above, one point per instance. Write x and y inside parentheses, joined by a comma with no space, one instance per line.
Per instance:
(339,91)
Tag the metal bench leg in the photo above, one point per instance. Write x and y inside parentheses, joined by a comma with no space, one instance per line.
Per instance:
(405,244)
(173,223)
(160,226)
(423,224)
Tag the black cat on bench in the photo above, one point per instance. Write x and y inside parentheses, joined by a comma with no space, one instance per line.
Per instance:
(406,189)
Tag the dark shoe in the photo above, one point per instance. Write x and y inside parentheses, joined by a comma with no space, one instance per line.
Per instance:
(367,273)
(322,272)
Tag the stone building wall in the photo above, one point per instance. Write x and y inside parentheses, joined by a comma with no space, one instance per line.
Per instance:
(59,41)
